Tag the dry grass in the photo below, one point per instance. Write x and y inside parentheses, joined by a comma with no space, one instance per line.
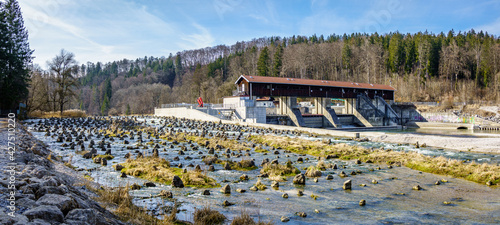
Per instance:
(120,201)
(208,216)
(480,173)
(245,219)
(213,141)
(159,170)
(279,172)
(71,113)
(243,165)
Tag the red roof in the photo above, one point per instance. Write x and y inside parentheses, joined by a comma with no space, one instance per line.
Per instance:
(327,83)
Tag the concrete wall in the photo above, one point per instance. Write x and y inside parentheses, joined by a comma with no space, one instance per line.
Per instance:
(185,113)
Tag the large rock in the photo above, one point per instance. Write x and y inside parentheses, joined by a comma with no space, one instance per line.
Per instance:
(64,203)
(299,179)
(49,213)
(226,189)
(118,167)
(347,185)
(177,182)
(227,166)
(85,216)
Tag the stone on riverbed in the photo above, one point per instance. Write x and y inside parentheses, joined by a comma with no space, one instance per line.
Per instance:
(299,179)
(226,189)
(347,185)
(177,182)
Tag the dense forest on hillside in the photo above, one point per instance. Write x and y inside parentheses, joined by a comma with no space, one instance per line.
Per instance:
(463,66)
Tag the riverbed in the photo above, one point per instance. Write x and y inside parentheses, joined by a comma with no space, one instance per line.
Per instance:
(390,200)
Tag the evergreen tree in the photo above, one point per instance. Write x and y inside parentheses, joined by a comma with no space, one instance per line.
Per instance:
(278,57)
(262,64)
(15,55)
(127,111)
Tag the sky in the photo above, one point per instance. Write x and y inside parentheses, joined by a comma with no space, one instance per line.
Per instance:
(109,30)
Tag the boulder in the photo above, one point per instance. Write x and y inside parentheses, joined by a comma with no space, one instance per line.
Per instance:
(205,192)
(49,213)
(347,185)
(226,189)
(227,166)
(244,177)
(301,214)
(177,182)
(299,179)
(285,195)
(329,177)
(85,216)
(227,203)
(417,187)
(149,184)
(64,203)
(300,193)
(362,202)
(275,184)
(118,167)
(285,219)
(104,162)
(165,194)
(239,190)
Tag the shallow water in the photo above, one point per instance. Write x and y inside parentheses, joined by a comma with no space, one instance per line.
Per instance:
(471,202)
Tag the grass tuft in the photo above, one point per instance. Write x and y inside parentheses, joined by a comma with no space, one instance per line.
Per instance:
(208,216)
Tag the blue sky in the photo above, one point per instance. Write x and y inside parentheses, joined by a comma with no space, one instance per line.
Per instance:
(108,30)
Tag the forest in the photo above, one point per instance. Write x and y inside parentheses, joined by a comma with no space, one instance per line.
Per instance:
(463,67)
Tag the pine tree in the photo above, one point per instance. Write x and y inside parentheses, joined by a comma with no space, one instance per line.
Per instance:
(15,55)
(127,111)
(277,63)
(262,64)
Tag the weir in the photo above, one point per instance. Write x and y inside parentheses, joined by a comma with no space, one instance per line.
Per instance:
(276,100)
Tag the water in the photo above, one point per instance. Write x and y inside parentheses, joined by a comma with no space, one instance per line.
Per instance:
(471,202)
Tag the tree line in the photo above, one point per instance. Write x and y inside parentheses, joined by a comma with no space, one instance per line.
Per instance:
(422,67)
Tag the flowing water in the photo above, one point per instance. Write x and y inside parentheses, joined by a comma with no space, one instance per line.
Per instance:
(391,201)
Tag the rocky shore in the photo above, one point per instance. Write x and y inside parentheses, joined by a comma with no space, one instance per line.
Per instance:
(35,189)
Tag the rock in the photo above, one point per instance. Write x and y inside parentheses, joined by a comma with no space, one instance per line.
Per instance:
(300,193)
(275,184)
(211,168)
(104,162)
(165,194)
(45,212)
(313,172)
(253,188)
(374,182)
(85,216)
(417,188)
(316,210)
(97,160)
(239,190)
(489,183)
(197,168)
(347,185)
(369,161)
(362,202)
(334,166)
(301,214)
(284,219)
(299,179)
(226,189)
(227,203)
(118,167)
(285,195)
(123,175)
(149,184)
(135,186)
(329,177)
(64,203)
(342,174)
(315,180)
(177,182)
(244,177)
(437,183)
(205,192)
(357,161)
(227,166)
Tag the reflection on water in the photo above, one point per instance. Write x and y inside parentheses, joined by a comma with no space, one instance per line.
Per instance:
(391,200)
(445,132)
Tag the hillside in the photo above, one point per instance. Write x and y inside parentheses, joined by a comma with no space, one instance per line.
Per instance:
(461,66)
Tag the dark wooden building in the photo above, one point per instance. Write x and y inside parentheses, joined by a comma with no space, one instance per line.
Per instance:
(259,86)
